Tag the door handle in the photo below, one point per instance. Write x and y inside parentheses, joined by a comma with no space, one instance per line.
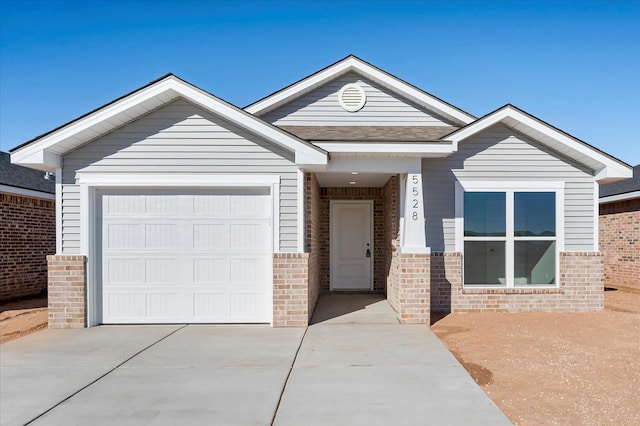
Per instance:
(368,253)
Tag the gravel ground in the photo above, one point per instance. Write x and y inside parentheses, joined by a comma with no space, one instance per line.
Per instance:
(556,369)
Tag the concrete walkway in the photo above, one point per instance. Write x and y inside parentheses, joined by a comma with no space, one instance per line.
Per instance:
(354,365)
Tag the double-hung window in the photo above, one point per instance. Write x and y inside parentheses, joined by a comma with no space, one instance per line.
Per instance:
(510,235)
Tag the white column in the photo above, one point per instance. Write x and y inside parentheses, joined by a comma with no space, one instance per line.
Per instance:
(413,237)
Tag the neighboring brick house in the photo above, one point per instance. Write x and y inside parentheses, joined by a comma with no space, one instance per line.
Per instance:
(620,231)
(27,229)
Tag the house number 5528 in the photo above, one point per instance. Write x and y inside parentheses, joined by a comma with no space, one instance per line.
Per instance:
(414,201)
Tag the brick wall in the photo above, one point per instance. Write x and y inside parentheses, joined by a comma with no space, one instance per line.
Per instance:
(581,288)
(414,288)
(28,235)
(312,237)
(620,242)
(391,227)
(291,289)
(375,194)
(67,295)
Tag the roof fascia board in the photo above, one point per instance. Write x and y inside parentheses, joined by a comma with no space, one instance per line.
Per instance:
(9,189)
(96,117)
(177,87)
(610,168)
(620,197)
(356,65)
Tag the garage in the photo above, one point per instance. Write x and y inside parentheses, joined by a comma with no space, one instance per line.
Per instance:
(185,256)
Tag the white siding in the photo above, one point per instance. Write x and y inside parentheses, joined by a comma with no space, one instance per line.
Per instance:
(183,138)
(503,154)
(321,108)
(70,219)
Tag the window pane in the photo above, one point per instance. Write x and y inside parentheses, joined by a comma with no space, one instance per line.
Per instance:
(534,262)
(535,214)
(484,262)
(484,214)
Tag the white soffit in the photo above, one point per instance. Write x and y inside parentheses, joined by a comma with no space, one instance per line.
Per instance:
(391,149)
(606,167)
(354,64)
(44,152)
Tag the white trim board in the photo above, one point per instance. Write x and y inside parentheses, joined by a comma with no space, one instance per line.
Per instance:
(46,151)
(620,197)
(606,168)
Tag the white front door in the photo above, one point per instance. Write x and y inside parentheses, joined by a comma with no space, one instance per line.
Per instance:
(191,256)
(351,245)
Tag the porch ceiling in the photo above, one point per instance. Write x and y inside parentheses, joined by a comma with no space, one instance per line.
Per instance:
(366,180)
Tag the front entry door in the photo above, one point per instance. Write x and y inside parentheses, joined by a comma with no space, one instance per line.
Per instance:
(351,245)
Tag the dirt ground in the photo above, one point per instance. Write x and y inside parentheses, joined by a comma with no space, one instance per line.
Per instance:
(539,368)
(20,318)
(555,369)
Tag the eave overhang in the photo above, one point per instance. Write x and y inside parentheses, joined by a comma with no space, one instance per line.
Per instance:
(45,152)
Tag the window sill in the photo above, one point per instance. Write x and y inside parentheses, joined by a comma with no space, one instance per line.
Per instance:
(516,290)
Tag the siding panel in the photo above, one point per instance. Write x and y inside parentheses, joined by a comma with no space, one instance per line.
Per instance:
(503,154)
(182,138)
(383,108)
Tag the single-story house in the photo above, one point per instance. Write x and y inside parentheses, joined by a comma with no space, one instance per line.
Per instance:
(27,229)
(177,206)
(620,231)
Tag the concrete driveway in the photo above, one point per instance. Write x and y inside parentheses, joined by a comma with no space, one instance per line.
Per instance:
(355,365)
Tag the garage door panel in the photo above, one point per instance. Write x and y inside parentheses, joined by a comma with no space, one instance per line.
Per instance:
(125,270)
(189,257)
(214,270)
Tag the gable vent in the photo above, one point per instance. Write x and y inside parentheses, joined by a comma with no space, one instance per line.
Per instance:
(352,97)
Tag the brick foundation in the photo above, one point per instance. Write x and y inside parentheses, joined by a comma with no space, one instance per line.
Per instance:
(67,291)
(28,235)
(620,242)
(581,288)
(291,290)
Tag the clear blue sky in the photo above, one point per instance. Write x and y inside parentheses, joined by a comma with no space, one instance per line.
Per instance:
(573,64)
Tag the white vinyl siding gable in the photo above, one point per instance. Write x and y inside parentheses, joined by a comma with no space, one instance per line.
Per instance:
(497,154)
(181,138)
(322,108)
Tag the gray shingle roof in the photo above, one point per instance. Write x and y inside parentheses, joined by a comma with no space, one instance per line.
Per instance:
(23,177)
(370,133)
(623,186)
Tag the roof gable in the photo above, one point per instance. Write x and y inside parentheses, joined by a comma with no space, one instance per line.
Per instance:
(382,107)
(352,64)
(44,152)
(606,167)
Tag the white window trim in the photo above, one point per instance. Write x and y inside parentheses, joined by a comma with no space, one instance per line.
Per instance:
(509,188)
(90,182)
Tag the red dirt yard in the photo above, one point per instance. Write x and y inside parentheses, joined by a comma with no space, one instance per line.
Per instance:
(555,368)
(539,368)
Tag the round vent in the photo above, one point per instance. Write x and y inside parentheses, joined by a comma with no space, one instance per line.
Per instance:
(352,97)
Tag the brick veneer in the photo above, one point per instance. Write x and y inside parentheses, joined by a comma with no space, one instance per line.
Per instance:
(312,237)
(375,194)
(391,227)
(291,289)
(28,234)
(620,242)
(67,295)
(413,288)
(581,288)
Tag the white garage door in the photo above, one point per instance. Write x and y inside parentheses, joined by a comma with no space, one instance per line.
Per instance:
(185,256)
